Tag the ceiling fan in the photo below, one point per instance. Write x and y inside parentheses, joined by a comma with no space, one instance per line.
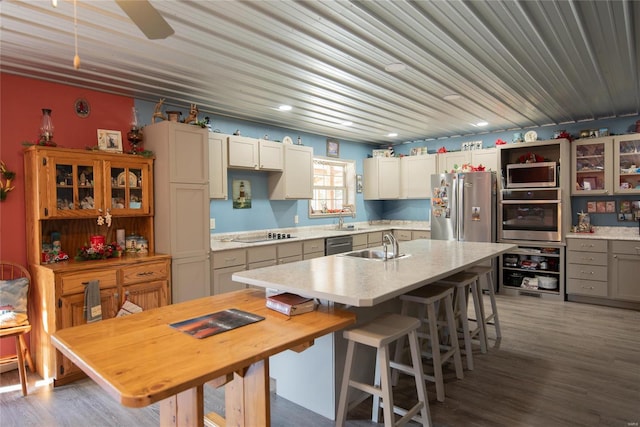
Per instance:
(147,18)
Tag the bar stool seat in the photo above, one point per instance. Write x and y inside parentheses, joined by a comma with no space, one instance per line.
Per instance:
(427,299)
(463,282)
(379,333)
(489,319)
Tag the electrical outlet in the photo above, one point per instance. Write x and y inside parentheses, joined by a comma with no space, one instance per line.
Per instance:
(295,219)
(212,223)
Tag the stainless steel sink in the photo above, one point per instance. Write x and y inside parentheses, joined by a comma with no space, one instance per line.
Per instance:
(372,254)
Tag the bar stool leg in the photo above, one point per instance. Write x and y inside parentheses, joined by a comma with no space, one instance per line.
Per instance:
(344,389)
(475,287)
(451,322)
(421,387)
(385,382)
(435,352)
(460,298)
(494,307)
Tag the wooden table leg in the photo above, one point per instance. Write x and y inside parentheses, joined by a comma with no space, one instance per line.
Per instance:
(247,397)
(185,409)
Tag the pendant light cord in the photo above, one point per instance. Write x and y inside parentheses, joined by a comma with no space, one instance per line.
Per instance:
(76,58)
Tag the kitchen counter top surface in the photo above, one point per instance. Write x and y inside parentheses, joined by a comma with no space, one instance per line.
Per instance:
(226,241)
(609,233)
(364,282)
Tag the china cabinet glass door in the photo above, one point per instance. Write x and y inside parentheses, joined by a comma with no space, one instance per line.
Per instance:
(591,167)
(127,192)
(75,188)
(627,164)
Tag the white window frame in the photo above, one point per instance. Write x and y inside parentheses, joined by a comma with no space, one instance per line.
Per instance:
(348,190)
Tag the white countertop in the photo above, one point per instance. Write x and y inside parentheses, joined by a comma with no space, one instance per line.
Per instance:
(364,283)
(224,241)
(609,233)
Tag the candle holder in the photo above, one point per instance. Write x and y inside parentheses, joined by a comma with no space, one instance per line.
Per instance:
(46,128)
(134,136)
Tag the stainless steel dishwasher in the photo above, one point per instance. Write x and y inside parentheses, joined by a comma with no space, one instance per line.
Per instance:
(337,245)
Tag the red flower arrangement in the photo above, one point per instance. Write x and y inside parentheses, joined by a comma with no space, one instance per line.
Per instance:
(112,250)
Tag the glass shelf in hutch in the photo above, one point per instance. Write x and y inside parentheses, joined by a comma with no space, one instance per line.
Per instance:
(534,270)
(627,164)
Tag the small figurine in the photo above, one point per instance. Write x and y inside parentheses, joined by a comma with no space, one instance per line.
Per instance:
(157,112)
(193,114)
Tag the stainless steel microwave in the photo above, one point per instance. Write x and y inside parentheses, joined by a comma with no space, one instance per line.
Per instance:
(532,175)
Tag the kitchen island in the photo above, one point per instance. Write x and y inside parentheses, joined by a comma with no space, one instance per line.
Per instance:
(369,287)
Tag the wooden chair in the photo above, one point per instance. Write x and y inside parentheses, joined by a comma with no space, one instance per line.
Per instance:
(11,271)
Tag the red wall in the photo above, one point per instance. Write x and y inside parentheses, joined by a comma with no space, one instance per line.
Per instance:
(21,103)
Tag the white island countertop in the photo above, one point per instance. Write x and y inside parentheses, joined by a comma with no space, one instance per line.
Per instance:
(365,283)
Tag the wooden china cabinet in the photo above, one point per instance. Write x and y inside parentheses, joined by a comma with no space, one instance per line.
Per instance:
(66,191)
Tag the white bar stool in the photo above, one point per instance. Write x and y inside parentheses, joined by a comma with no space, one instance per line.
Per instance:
(461,283)
(487,273)
(379,333)
(427,298)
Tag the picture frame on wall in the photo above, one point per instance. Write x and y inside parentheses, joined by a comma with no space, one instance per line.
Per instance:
(333,148)
(110,140)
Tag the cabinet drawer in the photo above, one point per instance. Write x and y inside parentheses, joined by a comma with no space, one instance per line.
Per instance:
(146,272)
(289,250)
(587,245)
(628,247)
(589,272)
(262,253)
(359,240)
(375,238)
(420,235)
(588,258)
(75,283)
(402,234)
(587,287)
(311,246)
(229,258)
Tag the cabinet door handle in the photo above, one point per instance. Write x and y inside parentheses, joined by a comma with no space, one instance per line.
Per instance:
(230,259)
(587,287)
(145,273)
(586,272)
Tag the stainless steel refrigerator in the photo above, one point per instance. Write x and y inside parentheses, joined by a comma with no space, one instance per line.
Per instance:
(463,206)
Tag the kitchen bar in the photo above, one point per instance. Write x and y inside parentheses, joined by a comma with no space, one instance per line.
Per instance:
(368,287)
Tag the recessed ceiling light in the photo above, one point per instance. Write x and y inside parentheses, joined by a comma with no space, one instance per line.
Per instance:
(392,135)
(284,108)
(395,67)
(347,123)
(481,124)
(451,97)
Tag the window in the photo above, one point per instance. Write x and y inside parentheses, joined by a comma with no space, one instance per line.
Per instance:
(334,184)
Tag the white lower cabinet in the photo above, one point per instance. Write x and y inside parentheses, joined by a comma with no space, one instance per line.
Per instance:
(587,267)
(289,252)
(360,241)
(625,270)
(607,270)
(313,248)
(226,263)
(374,239)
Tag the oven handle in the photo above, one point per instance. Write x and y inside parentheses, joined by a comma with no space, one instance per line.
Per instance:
(529,202)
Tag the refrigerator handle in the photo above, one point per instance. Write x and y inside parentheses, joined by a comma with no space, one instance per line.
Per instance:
(460,212)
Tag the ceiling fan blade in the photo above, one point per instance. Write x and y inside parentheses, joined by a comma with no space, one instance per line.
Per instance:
(147,18)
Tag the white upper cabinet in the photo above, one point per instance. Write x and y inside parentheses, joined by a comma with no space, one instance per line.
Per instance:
(452,160)
(258,154)
(296,180)
(487,157)
(218,166)
(415,176)
(381,178)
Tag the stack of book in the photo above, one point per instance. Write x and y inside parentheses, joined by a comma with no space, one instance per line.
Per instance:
(290,304)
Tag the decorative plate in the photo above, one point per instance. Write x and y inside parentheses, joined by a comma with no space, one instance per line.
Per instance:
(82,107)
(287,140)
(530,136)
(133,180)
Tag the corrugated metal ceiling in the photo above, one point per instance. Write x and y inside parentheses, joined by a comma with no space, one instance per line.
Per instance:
(515,64)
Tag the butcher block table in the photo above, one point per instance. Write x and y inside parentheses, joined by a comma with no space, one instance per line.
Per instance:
(140,359)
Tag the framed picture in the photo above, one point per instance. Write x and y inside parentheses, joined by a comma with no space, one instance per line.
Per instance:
(589,184)
(333,148)
(110,140)
(611,206)
(358,183)
(591,207)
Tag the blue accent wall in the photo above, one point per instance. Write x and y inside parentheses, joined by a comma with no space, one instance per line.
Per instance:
(267,214)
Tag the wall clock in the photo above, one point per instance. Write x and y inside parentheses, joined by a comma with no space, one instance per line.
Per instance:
(82,107)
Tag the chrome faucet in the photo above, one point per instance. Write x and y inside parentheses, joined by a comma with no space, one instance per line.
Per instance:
(341,219)
(392,241)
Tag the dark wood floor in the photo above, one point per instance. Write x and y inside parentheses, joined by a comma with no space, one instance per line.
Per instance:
(558,364)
